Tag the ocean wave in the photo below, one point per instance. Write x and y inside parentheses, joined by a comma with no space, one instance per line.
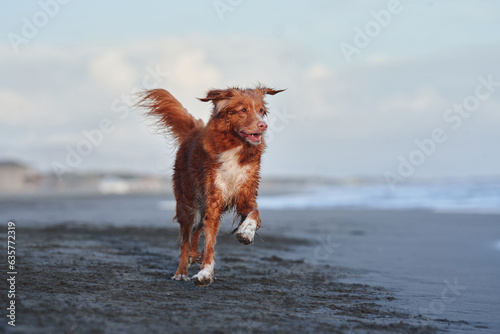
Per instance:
(446,197)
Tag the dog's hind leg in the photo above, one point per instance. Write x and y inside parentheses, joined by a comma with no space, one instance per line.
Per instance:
(186,223)
(194,256)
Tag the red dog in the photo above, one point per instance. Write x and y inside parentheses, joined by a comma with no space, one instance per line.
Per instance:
(216,168)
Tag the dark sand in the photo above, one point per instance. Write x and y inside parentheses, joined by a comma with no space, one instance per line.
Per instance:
(91,280)
(90,277)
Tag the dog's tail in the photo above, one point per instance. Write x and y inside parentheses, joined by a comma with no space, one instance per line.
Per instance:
(170,113)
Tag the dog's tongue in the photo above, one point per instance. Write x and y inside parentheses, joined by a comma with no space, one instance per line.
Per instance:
(253,138)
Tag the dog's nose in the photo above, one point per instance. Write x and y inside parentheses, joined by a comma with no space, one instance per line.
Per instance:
(262,126)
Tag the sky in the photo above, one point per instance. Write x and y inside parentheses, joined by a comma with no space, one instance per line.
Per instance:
(396,90)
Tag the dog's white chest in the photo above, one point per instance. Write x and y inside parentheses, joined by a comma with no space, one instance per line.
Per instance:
(230,175)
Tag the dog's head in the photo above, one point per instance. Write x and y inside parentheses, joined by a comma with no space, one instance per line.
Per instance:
(243,111)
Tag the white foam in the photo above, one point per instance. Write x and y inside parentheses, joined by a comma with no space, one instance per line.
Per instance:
(453,197)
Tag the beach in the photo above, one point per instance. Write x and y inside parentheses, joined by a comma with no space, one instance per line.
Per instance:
(103,265)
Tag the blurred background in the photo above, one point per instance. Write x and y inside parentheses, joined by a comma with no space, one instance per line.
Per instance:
(388,103)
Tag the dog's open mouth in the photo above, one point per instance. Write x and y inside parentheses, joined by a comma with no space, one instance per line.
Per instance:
(254,138)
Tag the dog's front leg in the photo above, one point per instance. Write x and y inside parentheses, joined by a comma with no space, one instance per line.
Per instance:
(246,230)
(211,227)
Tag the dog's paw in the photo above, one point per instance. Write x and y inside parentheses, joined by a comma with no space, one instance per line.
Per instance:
(204,277)
(180,277)
(244,238)
(246,231)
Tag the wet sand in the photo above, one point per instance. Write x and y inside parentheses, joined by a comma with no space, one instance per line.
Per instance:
(324,271)
(116,280)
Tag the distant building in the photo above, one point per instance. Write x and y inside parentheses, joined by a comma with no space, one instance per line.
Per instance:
(16,177)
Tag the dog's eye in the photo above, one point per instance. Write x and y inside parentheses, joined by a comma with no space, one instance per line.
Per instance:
(261,111)
(243,110)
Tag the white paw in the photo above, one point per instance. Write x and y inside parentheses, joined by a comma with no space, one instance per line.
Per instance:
(246,231)
(205,276)
(180,277)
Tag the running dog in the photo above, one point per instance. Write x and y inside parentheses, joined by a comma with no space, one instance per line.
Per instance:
(216,168)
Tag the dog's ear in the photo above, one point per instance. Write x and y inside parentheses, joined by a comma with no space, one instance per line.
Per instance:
(270,91)
(217,95)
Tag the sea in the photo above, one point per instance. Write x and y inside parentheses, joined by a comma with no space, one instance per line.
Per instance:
(465,196)
(439,196)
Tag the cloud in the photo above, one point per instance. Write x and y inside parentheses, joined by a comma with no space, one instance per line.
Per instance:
(192,70)
(110,70)
(424,100)
(346,120)
(317,72)
(22,110)
(14,109)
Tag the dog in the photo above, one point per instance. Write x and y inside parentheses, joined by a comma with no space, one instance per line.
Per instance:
(217,168)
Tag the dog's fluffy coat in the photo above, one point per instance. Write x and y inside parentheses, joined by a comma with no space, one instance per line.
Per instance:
(216,168)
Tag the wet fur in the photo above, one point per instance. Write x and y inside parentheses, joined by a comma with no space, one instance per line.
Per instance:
(216,168)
